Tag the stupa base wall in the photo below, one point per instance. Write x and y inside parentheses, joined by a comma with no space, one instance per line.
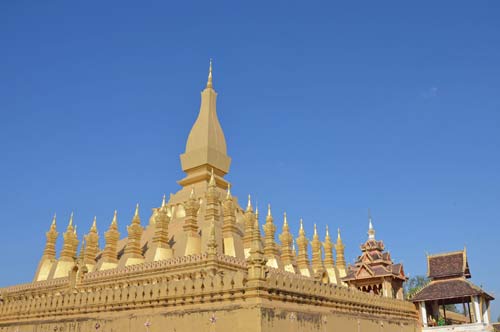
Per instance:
(269,317)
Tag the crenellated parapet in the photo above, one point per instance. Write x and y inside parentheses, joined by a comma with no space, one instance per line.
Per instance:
(176,282)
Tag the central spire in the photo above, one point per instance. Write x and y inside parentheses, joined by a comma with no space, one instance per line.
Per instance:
(206,144)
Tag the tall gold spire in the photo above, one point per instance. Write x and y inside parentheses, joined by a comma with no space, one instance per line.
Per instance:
(206,144)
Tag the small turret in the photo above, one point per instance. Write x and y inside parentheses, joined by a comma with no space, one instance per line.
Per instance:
(256,261)
(329,262)
(110,254)
(190,227)
(92,246)
(317,263)
(302,258)
(341,264)
(212,198)
(160,247)
(49,253)
(249,217)
(133,250)
(70,246)
(50,246)
(286,239)
(231,234)
(270,246)
(68,254)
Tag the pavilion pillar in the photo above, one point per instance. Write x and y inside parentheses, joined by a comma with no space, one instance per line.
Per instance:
(423,313)
(486,313)
(435,309)
(477,309)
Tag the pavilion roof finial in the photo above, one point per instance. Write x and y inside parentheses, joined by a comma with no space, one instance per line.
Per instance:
(371,230)
(209,81)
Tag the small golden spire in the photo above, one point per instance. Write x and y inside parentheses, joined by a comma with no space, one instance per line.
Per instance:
(211,183)
(339,239)
(54,220)
(256,211)
(268,210)
(249,204)
(285,221)
(315,230)
(327,232)
(301,225)
(136,214)
(114,221)
(74,231)
(209,82)
(70,224)
(228,195)
(94,225)
(164,201)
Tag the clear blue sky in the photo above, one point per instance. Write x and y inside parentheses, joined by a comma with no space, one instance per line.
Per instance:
(328,110)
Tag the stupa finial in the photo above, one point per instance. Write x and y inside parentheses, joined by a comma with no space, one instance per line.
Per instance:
(94,225)
(371,230)
(114,221)
(70,224)
(209,82)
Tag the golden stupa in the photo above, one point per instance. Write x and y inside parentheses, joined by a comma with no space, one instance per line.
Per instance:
(199,263)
